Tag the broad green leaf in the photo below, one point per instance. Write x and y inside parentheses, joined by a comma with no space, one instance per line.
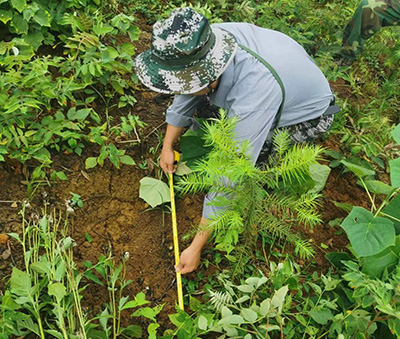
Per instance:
(127,160)
(321,316)
(34,39)
(19,5)
(61,175)
(43,18)
(248,315)
(41,267)
(154,192)
(319,173)
(146,312)
(231,320)
(358,170)
(58,290)
(133,331)
(5,16)
(20,282)
(90,162)
(246,288)
(192,145)
(202,323)
(279,297)
(374,265)
(182,169)
(265,306)
(395,172)
(127,48)
(140,299)
(19,23)
(393,210)
(368,235)
(55,334)
(343,205)
(102,29)
(378,187)
(396,134)
(134,32)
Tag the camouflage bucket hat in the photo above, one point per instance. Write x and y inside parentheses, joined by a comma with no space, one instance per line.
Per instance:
(186,54)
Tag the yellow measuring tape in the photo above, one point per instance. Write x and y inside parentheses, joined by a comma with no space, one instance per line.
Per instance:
(175,235)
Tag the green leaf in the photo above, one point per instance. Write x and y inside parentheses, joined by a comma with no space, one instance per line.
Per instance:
(19,5)
(154,192)
(146,312)
(393,210)
(248,315)
(43,18)
(193,145)
(376,264)
(61,175)
(358,170)
(319,173)
(279,297)
(88,237)
(140,299)
(246,288)
(58,290)
(91,276)
(182,169)
(55,334)
(378,187)
(34,39)
(368,235)
(134,32)
(396,134)
(90,162)
(127,160)
(202,323)
(133,331)
(395,172)
(41,267)
(20,25)
(231,320)
(343,205)
(265,306)
(5,16)
(321,316)
(20,282)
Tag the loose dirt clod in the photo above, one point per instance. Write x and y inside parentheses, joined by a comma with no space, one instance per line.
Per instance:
(4,238)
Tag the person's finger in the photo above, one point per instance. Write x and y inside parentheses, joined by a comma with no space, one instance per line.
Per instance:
(179,267)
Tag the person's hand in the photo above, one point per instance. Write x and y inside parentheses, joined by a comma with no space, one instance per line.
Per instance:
(189,260)
(167,160)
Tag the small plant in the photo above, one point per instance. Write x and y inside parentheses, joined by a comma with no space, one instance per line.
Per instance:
(265,200)
(374,234)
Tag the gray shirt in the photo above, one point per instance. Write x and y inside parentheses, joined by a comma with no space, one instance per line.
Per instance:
(248,90)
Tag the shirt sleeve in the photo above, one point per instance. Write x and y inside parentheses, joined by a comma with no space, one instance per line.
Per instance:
(180,113)
(254,127)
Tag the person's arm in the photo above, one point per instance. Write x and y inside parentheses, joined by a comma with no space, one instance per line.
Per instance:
(178,116)
(167,153)
(190,257)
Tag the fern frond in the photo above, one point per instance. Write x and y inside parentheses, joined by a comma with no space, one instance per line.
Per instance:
(295,163)
(306,208)
(281,141)
(193,183)
(274,226)
(303,249)
(220,299)
(227,219)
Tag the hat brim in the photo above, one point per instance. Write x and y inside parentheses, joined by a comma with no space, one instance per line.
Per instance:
(192,78)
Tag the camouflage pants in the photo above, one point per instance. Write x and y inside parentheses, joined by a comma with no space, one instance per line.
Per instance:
(369,18)
(299,133)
